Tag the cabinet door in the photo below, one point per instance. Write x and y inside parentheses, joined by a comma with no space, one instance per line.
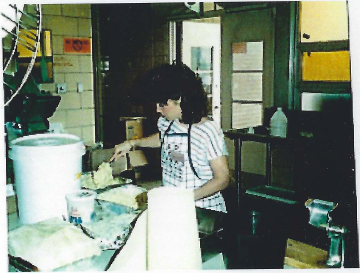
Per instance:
(323,21)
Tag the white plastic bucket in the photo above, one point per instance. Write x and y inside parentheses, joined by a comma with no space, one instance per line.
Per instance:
(80,206)
(46,168)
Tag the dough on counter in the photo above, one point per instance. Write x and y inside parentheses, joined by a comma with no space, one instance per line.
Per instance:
(103,175)
(125,196)
(51,244)
(112,227)
(100,179)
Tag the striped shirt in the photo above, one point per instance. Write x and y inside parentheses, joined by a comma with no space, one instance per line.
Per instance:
(207,143)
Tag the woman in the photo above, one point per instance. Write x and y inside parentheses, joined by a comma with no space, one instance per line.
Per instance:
(193,151)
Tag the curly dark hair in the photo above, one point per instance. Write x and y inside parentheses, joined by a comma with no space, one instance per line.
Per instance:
(175,81)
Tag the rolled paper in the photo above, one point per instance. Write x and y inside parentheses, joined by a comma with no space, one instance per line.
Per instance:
(165,236)
(173,238)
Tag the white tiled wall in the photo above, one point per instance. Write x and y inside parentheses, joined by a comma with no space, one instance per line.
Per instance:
(76,110)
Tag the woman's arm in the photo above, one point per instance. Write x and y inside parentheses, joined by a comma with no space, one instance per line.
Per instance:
(220,181)
(121,149)
(152,141)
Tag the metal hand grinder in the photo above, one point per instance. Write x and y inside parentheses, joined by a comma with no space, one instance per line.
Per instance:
(320,218)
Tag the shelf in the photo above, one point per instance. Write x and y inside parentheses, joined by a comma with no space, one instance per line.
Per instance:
(273,193)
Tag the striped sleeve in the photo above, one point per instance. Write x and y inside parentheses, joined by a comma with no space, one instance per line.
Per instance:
(214,138)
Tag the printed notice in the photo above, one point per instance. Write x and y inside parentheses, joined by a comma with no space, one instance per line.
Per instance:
(77,45)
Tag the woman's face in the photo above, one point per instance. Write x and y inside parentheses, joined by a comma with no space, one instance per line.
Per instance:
(171,110)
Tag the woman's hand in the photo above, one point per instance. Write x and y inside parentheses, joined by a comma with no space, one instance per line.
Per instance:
(121,149)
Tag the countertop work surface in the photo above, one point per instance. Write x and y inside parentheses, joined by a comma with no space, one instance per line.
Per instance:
(212,259)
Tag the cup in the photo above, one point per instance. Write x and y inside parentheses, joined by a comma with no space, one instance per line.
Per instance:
(80,206)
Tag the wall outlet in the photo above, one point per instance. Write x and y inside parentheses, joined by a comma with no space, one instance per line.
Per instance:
(61,88)
(80,87)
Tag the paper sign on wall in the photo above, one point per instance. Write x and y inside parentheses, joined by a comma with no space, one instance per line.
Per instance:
(77,45)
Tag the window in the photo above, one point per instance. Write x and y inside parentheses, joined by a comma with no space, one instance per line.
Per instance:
(247,84)
(202,64)
(200,49)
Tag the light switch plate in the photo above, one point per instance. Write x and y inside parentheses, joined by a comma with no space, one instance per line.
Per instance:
(10,190)
(80,87)
(61,88)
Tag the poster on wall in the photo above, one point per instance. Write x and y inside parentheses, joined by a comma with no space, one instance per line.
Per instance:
(202,64)
(77,45)
(201,58)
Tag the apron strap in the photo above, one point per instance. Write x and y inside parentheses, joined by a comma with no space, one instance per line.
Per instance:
(165,134)
(189,153)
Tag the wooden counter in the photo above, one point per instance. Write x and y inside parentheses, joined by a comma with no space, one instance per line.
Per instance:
(300,255)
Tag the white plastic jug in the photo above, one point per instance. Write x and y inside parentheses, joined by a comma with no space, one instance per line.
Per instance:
(278,123)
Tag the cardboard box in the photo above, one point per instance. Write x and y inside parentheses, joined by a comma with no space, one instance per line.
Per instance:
(11,204)
(133,127)
(97,157)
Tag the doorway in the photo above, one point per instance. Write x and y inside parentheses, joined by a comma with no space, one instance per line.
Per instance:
(247,78)
(247,67)
(201,51)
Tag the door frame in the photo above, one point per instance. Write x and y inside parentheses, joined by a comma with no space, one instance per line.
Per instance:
(226,66)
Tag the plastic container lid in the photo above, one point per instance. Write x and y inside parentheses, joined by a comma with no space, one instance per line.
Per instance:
(44,144)
(81,195)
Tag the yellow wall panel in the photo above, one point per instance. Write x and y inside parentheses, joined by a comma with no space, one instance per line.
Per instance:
(326,66)
(323,21)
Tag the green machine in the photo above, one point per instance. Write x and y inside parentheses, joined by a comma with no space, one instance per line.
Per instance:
(29,111)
